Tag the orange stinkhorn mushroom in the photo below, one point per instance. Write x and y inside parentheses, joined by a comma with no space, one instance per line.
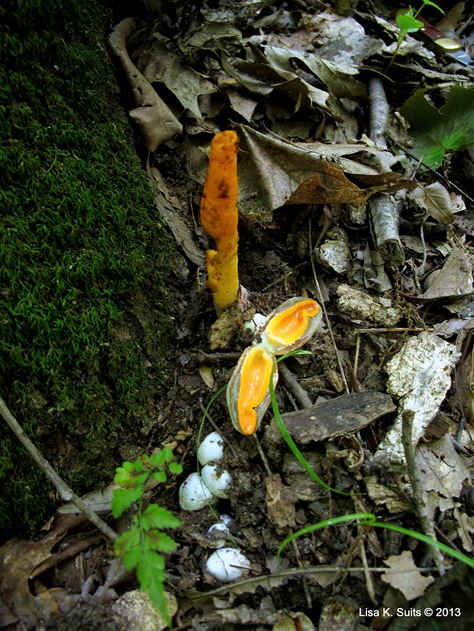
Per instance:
(248,394)
(291,325)
(219,218)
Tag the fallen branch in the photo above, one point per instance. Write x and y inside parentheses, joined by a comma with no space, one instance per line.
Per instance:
(383,210)
(66,493)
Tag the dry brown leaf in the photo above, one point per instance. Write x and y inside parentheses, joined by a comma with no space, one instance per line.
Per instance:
(280,501)
(18,560)
(329,185)
(455,277)
(156,121)
(405,576)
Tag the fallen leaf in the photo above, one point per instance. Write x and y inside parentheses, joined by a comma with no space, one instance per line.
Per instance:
(161,65)
(280,503)
(154,118)
(443,472)
(336,76)
(454,278)
(329,185)
(272,168)
(382,495)
(18,560)
(405,576)
(435,200)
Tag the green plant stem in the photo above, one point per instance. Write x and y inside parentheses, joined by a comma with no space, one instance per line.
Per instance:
(291,444)
(459,556)
(322,524)
(369,519)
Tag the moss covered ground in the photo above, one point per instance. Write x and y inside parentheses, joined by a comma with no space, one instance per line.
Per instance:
(85,298)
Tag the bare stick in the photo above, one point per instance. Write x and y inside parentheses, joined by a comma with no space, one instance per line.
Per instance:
(66,493)
(383,210)
(300,393)
(379,111)
(384,219)
(416,485)
(323,307)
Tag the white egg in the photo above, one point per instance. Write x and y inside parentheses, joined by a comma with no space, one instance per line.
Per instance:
(226,519)
(193,493)
(214,531)
(216,479)
(258,320)
(211,449)
(227,564)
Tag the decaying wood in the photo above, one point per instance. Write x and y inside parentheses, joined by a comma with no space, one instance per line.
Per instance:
(384,219)
(346,414)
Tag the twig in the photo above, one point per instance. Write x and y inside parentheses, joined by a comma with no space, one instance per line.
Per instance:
(416,485)
(262,454)
(383,210)
(379,111)
(307,594)
(300,393)
(65,491)
(323,307)
(368,577)
(384,218)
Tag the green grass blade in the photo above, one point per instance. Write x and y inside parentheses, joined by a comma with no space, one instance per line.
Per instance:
(421,537)
(291,444)
(322,524)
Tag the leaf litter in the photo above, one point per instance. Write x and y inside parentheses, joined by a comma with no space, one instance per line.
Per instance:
(293,81)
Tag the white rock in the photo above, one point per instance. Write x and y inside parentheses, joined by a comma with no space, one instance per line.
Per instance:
(211,449)
(216,479)
(193,493)
(227,564)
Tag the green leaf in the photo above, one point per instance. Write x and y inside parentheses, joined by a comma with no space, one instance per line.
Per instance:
(432,4)
(159,476)
(159,517)
(127,541)
(124,498)
(124,475)
(291,443)
(159,541)
(451,128)
(130,474)
(408,24)
(132,557)
(322,524)
(151,570)
(151,576)
(158,459)
(175,468)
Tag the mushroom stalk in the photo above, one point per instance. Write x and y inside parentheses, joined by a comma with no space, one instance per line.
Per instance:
(219,218)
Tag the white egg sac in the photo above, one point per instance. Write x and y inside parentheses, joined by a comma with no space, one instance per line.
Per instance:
(214,531)
(227,564)
(193,493)
(211,449)
(216,479)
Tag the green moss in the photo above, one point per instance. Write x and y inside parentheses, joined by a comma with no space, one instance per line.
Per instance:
(83,257)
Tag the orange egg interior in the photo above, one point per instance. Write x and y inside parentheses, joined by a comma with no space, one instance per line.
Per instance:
(288,326)
(254,382)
